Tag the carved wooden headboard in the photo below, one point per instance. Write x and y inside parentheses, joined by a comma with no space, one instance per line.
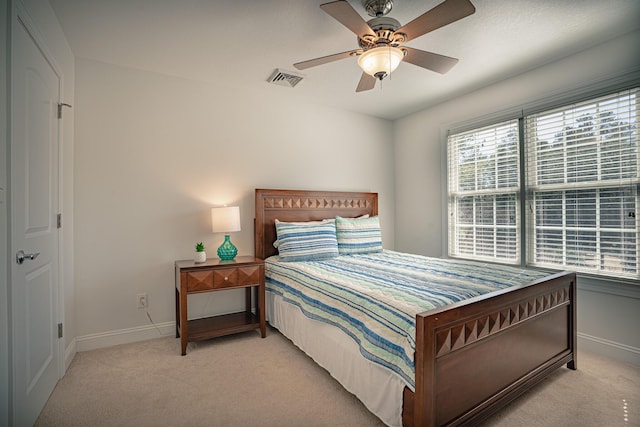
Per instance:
(301,205)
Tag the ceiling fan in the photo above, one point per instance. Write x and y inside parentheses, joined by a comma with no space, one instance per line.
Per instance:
(382,38)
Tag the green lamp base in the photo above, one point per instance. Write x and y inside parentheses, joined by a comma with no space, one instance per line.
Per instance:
(227,251)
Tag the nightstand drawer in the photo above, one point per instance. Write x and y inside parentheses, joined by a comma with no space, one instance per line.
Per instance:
(225,278)
(199,281)
(241,276)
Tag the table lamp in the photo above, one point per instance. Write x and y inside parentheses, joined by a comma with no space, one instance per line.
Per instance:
(226,220)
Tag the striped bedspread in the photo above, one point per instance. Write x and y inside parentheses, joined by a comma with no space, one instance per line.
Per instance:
(375,297)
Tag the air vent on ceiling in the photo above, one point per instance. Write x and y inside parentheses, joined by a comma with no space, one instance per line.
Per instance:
(285,78)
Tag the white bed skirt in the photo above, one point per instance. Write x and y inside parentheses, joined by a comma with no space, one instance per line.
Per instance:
(378,388)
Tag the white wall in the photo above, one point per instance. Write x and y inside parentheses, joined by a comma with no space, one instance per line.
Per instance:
(420,171)
(153,153)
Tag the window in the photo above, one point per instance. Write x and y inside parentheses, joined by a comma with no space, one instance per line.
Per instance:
(484,193)
(580,195)
(582,179)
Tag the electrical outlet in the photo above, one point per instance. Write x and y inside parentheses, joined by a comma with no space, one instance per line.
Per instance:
(142,300)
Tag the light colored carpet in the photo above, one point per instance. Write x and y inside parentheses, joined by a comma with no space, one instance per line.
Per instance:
(242,380)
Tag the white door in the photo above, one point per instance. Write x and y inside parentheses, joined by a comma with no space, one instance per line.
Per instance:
(35,90)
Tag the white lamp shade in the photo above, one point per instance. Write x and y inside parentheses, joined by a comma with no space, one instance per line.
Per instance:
(225,220)
(383,59)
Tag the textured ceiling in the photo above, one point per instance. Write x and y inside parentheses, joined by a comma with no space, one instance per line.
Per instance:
(241,42)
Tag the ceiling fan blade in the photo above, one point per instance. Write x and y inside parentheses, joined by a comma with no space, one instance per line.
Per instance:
(323,60)
(443,14)
(347,16)
(367,82)
(429,60)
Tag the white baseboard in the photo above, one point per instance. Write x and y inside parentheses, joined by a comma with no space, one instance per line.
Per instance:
(69,354)
(614,350)
(124,336)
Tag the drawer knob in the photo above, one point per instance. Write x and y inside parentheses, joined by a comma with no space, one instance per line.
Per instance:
(226,278)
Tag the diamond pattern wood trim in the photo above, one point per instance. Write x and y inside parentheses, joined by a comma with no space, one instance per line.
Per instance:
(315,203)
(199,280)
(465,333)
(249,275)
(224,278)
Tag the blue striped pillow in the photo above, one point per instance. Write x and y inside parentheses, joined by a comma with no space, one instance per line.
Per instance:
(358,235)
(310,241)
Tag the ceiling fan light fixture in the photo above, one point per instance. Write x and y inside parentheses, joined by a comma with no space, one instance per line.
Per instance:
(380,61)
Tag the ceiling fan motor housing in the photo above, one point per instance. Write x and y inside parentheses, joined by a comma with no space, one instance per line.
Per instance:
(377,7)
(384,27)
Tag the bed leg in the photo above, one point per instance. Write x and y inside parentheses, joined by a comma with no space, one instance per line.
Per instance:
(573,324)
(572,363)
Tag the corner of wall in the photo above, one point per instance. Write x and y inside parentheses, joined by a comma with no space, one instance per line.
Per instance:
(4,165)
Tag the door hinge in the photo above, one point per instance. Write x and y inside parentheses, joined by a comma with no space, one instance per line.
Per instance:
(60,105)
(59,220)
(59,330)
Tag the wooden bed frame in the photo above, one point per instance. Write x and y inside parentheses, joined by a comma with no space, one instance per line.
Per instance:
(473,357)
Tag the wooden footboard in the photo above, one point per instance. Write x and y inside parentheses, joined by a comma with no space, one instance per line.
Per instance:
(474,357)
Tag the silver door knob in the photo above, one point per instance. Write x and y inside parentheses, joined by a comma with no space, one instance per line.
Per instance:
(21,256)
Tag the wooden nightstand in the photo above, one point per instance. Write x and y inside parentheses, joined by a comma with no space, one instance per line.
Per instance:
(216,275)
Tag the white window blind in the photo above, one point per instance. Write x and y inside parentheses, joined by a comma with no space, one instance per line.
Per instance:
(582,186)
(484,193)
